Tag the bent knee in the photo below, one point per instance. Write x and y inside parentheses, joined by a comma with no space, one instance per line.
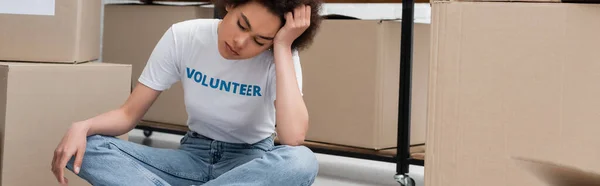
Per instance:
(303,161)
(99,141)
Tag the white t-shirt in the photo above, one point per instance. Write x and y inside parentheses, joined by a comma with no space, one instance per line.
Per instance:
(226,100)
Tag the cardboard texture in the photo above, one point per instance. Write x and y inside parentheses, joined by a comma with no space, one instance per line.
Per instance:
(558,175)
(511,80)
(39,102)
(351,82)
(131,33)
(71,35)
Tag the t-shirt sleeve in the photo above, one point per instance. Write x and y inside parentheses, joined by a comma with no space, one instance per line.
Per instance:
(162,69)
(273,79)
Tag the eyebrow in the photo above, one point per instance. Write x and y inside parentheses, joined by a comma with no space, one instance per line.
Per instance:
(247,22)
(250,27)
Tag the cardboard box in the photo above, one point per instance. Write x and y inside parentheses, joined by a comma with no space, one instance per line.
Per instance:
(40,101)
(351,82)
(131,33)
(63,31)
(511,80)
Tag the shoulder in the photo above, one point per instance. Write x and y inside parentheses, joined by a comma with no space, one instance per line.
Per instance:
(195,25)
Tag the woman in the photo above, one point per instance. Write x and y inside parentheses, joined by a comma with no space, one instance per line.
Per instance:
(231,70)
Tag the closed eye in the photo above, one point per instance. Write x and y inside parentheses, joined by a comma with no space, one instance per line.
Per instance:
(259,43)
(241,27)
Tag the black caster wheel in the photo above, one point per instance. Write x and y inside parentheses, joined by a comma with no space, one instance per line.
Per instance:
(405,180)
(147,133)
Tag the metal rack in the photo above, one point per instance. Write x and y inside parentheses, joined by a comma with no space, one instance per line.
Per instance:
(404,97)
(402,157)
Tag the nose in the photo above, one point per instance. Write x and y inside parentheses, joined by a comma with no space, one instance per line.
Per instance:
(240,41)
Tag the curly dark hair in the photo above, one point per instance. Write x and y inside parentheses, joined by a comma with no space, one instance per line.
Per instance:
(280,8)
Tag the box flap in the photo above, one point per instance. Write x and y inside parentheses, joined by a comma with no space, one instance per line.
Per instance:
(558,175)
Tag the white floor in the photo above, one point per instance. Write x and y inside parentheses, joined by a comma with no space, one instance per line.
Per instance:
(333,170)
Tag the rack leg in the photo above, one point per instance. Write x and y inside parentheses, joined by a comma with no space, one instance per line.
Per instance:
(404,97)
(147,132)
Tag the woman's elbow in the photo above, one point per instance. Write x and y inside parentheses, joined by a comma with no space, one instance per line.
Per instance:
(297,141)
(294,133)
(294,139)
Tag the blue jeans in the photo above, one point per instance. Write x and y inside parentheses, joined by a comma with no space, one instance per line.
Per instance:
(198,161)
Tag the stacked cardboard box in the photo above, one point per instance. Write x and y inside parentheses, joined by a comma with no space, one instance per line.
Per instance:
(47,82)
(351,82)
(66,31)
(512,80)
(131,33)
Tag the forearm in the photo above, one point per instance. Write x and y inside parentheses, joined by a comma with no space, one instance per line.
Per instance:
(112,123)
(120,121)
(292,115)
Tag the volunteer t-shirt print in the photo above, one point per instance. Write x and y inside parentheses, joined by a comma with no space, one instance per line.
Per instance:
(233,87)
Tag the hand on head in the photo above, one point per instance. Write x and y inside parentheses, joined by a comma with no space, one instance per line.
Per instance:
(252,26)
(296,23)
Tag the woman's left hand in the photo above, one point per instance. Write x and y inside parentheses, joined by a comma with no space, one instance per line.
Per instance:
(295,25)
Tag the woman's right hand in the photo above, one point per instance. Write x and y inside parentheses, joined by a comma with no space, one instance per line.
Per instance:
(73,143)
(113,123)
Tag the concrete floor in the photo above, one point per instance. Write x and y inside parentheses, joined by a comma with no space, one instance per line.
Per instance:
(333,170)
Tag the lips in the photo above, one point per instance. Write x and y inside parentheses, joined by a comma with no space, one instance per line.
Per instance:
(231,49)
